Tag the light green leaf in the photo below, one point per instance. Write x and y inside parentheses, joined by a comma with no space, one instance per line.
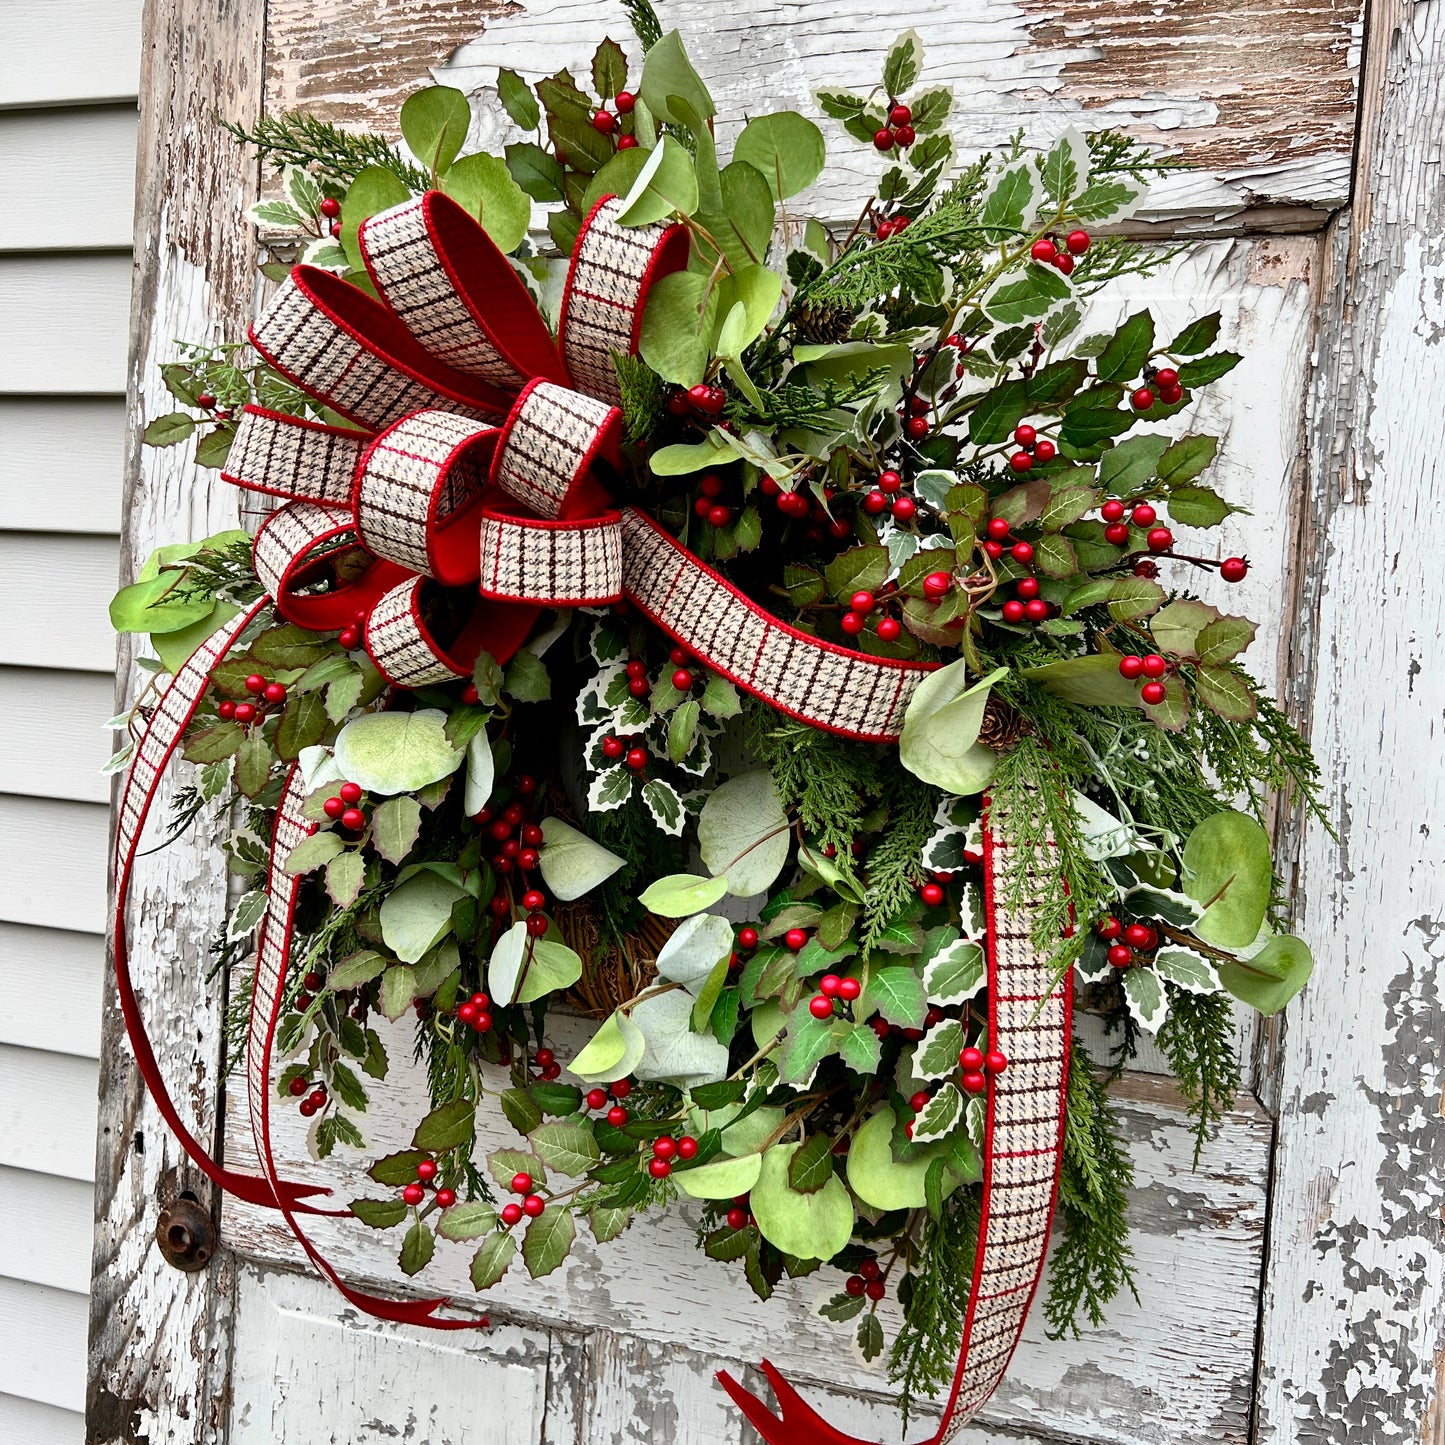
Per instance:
(695,948)
(447,1127)
(939,743)
(357,969)
(897,994)
(876,1177)
(681,894)
(1271,977)
(612,1052)
(861,1049)
(417,914)
(1008,204)
(312,852)
(674,1053)
(434,123)
(551,967)
(666,184)
(469,1220)
(1187,969)
(743,833)
(481,774)
(247,913)
(786,148)
(374,190)
(756,289)
(1226,692)
(1227,868)
(567,1148)
(394,827)
(398,990)
(571,863)
(1184,461)
(808,1226)
(1223,638)
(722,1179)
(483,186)
(1091,681)
(345,874)
(677,327)
(744,226)
(668,72)
(396,752)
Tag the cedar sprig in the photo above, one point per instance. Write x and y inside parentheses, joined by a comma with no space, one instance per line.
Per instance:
(645,24)
(295,138)
(1198,1040)
(894,861)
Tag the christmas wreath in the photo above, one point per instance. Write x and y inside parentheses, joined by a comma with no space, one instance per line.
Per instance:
(761,638)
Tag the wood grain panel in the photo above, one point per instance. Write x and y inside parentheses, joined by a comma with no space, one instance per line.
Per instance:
(70,449)
(45,1332)
(54,591)
(47,1112)
(31,1421)
(52,863)
(70,178)
(45,1223)
(50,989)
(55,745)
(66,320)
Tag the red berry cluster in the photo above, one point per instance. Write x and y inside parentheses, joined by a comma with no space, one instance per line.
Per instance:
(700,400)
(1126,941)
(1025,606)
(888,495)
(665,1149)
(832,990)
(891,226)
(899,130)
(629,749)
(1049,252)
(914,418)
(975,1064)
(473,1012)
(426,1173)
(1158,538)
(516,833)
(315,1100)
(738,1216)
(1160,383)
(531,1206)
(1153,669)
(266,694)
(341,808)
(1032,448)
(707,506)
(617,1115)
(796,506)
(870,1280)
(606,122)
(349,637)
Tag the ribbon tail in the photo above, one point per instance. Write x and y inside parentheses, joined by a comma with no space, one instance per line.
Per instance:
(797,1422)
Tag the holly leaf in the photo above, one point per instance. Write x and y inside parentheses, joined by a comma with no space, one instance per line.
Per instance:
(812,1166)
(490,1262)
(897,994)
(379,1213)
(417,1248)
(548,1240)
(469,1220)
(394,827)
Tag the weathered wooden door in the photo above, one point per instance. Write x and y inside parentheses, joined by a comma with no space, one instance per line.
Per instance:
(1290,1285)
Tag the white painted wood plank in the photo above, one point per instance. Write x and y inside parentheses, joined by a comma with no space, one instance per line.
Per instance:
(47,1112)
(69,177)
(60,464)
(377,1383)
(97,59)
(1198,1241)
(66,320)
(55,745)
(52,863)
(44,1333)
(45,1224)
(54,592)
(37,1424)
(50,985)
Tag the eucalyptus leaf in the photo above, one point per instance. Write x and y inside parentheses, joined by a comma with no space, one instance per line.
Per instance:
(809,1226)
(396,752)
(743,833)
(939,742)
(786,148)
(417,914)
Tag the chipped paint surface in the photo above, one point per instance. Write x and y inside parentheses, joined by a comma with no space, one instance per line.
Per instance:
(1354,1320)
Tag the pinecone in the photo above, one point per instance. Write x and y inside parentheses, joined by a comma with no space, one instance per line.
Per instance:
(1003,726)
(825,324)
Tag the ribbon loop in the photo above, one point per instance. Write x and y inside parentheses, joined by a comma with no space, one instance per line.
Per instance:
(288,456)
(404,645)
(551,447)
(552,564)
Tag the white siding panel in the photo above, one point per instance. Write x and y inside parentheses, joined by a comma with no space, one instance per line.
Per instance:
(69,178)
(60,464)
(54,743)
(45,1332)
(47,1114)
(50,989)
(37,1424)
(66,321)
(59,52)
(45,1227)
(52,863)
(54,595)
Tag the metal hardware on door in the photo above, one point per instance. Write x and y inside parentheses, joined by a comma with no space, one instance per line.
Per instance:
(186,1235)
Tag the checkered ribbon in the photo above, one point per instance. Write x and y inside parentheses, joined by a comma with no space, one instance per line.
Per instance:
(1030,1020)
(436,495)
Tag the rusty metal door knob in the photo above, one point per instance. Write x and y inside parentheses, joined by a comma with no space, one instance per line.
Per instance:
(186,1236)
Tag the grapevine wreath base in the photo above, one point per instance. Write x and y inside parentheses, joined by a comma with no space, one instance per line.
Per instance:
(866,519)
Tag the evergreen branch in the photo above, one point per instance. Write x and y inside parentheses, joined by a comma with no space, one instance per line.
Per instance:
(895,861)
(1198,1040)
(295,138)
(645,24)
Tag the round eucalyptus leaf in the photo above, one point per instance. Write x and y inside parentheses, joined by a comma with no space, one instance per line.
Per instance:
(674,1053)
(786,148)
(417,914)
(694,949)
(571,863)
(742,833)
(1227,868)
(722,1179)
(483,186)
(809,1226)
(434,123)
(397,752)
(876,1177)
(611,1053)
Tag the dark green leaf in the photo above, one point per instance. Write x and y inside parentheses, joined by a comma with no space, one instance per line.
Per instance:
(812,1166)
(998,413)
(302,725)
(1205,369)
(609,70)
(398,1169)
(548,1240)
(1129,347)
(517,100)
(1196,337)
(490,1262)
(417,1248)
(447,1127)
(521,1110)
(379,1213)
(536,170)
(166,431)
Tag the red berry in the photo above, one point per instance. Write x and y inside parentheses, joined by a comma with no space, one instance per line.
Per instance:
(617,1116)
(1136,935)
(883,140)
(875,1289)
(298,1086)
(511,1214)
(900,114)
(851,623)
(904,135)
(904,508)
(1036,610)
(622,1088)
(1043,250)
(796,938)
(521,1183)
(255,684)
(413,1194)
(793,504)
(1027,588)
(974,1083)
(274,692)
(820,1007)
(351,793)
(482,1023)
(330,208)
(624,100)
(995,1062)
(1143,515)
(931,894)
(664,1147)
(861,602)
(245,713)
(855,1285)
(829,984)
(534,900)
(1152,665)
(1167,376)
(637,759)
(659,1168)
(545,1057)
(626,142)
(889,628)
(467,1013)
(970,1060)
(1064,263)
(499,905)
(353,819)
(1077,242)
(1013,610)
(1116,533)
(719,516)
(613,747)
(687,1147)
(849,989)
(1153,693)
(446,1198)
(1171,394)
(1021,462)
(1160,539)
(1108,928)
(870,1269)
(307,1108)
(596,1098)
(205,400)
(349,637)
(889,482)
(536,925)
(604,122)
(737,1218)
(748,938)
(1025,435)
(1045,450)
(1142,399)
(937,585)
(639,686)
(994,549)
(701,508)
(426,1170)
(1120,956)
(1233,569)
(1022,552)
(333,807)
(226,708)
(1112,510)
(998,529)
(1131,667)
(533,1205)
(682,680)
(918,428)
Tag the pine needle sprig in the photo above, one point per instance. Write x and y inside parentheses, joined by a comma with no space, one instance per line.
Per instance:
(644,396)
(1093,1260)
(645,24)
(295,138)
(1198,1040)
(894,862)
